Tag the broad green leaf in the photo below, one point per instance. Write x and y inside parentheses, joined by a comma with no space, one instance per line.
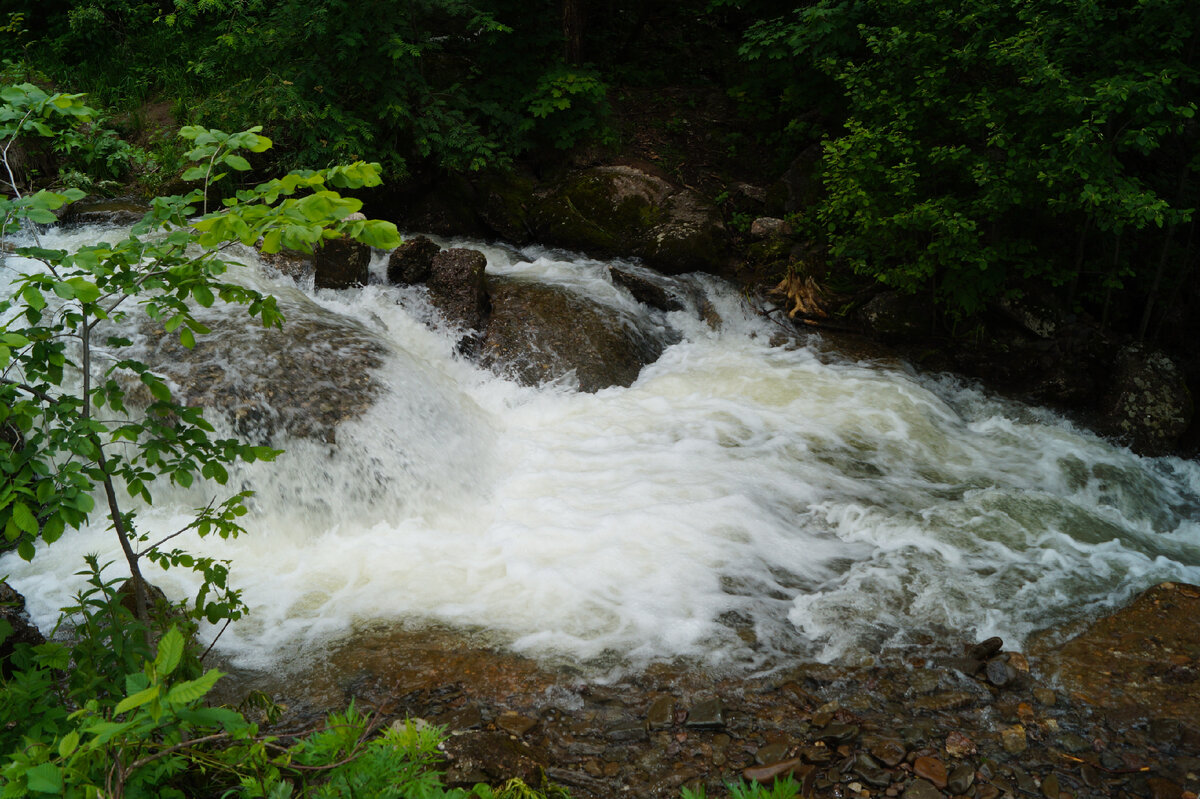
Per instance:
(187,338)
(53,529)
(24,518)
(85,290)
(14,339)
(45,778)
(203,295)
(192,690)
(33,298)
(237,162)
(26,550)
(380,235)
(170,650)
(68,745)
(195,173)
(137,700)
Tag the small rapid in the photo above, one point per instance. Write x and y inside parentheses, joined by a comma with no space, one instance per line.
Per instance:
(740,505)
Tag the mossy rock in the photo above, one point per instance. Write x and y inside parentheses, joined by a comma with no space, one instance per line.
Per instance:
(623,211)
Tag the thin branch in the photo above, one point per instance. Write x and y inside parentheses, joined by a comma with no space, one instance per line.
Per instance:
(215,639)
(175,534)
(141,761)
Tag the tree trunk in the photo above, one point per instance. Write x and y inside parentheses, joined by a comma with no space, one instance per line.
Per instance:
(572,26)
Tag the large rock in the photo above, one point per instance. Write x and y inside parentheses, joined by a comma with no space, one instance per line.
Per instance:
(341,264)
(1147,405)
(304,379)
(540,333)
(1142,662)
(457,287)
(20,629)
(621,210)
(412,261)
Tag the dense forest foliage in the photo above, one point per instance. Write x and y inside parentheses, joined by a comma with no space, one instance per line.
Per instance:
(969,149)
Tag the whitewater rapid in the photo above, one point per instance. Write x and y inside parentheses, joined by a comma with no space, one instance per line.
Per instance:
(742,503)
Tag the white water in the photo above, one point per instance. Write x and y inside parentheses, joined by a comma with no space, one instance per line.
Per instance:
(831,507)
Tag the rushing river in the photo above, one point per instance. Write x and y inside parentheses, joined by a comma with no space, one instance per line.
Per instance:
(741,504)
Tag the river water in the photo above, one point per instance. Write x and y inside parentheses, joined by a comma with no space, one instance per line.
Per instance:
(741,505)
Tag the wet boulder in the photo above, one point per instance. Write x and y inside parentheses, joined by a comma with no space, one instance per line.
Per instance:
(1147,404)
(105,211)
(457,286)
(892,315)
(621,210)
(304,379)
(341,264)
(539,333)
(412,261)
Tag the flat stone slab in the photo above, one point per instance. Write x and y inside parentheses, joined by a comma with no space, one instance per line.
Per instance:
(1143,661)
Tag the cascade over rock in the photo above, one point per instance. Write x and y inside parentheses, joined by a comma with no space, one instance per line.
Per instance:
(540,333)
(264,381)
(12,613)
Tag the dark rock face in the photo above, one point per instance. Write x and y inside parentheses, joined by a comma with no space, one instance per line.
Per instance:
(341,264)
(105,211)
(12,613)
(412,261)
(892,315)
(1142,661)
(1148,404)
(540,333)
(457,288)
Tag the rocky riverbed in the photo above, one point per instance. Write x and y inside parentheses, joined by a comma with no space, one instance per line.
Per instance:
(1106,711)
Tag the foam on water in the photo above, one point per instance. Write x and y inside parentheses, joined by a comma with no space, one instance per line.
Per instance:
(739,504)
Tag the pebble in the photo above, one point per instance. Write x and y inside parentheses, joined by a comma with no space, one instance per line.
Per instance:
(920,789)
(627,731)
(824,714)
(888,751)
(1000,673)
(987,792)
(986,648)
(771,753)
(661,713)
(961,779)
(770,772)
(1050,788)
(515,723)
(959,745)
(1013,739)
(838,733)
(948,700)
(708,714)
(931,769)
(816,754)
(866,767)
(1045,696)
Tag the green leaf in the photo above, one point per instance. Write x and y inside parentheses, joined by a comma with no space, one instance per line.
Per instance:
(170,650)
(237,162)
(24,518)
(68,744)
(187,338)
(195,173)
(33,298)
(137,700)
(84,290)
(192,690)
(380,235)
(53,529)
(25,550)
(203,295)
(45,778)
